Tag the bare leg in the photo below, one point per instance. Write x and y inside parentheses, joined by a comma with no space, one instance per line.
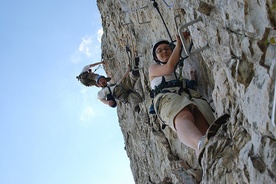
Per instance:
(186,129)
(200,121)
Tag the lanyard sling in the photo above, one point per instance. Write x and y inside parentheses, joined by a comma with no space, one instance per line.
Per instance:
(111,97)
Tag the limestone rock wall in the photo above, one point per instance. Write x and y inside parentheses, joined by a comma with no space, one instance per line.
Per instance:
(236,74)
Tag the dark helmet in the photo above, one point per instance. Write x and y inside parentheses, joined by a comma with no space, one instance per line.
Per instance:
(156,45)
(101,76)
(98,79)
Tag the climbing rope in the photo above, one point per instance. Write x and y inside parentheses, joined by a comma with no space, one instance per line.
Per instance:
(155,5)
(180,62)
(97,68)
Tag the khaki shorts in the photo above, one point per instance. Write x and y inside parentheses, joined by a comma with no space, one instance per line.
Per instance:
(168,105)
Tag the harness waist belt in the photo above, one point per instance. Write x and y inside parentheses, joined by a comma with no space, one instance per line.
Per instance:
(174,83)
(169,84)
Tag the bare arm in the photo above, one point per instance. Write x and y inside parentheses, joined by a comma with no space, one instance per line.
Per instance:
(95,64)
(107,102)
(156,70)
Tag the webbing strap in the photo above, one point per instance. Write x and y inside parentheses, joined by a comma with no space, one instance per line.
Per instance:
(110,92)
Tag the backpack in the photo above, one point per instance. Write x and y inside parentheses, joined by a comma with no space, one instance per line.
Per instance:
(88,78)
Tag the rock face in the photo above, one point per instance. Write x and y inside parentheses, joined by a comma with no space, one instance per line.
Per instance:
(236,73)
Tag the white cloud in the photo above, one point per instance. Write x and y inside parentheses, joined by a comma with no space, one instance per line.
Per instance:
(100,34)
(84,51)
(86,46)
(87,114)
(88,111)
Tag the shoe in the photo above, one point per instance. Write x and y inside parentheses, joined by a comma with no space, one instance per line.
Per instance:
(201,147)
(211,132)
(213,129)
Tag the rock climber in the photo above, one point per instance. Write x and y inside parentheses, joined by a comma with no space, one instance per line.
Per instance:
(122,90)
(179,107)
(87,77)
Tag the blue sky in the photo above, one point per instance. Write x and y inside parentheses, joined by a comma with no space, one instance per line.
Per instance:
(53,130)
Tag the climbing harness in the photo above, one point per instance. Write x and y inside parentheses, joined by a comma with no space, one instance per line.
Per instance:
(113,96)
(163,88)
